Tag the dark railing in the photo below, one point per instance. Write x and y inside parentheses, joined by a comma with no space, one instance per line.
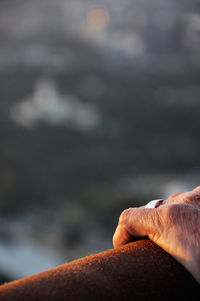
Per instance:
(137,271)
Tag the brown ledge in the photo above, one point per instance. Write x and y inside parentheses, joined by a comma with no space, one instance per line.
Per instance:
(138,271)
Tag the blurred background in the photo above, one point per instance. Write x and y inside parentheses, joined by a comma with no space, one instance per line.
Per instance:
(99,111)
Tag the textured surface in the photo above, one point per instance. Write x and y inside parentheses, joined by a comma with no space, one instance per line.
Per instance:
(137,271)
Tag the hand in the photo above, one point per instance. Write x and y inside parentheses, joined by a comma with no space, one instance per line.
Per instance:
(174,226)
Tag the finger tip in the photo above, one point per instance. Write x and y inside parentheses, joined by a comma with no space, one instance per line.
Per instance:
(114,242)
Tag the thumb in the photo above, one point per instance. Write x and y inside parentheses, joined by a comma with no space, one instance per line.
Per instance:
(135,222)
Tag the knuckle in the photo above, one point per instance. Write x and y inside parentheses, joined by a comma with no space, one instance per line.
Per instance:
(172,212)
(197,189)
(124,215)
(197,193)
(174,195)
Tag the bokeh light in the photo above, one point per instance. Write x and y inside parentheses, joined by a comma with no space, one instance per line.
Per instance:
(97,18)
(99,111)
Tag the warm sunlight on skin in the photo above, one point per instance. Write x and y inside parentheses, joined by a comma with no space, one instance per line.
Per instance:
(174,226)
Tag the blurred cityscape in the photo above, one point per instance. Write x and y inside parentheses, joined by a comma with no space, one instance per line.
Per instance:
(99,111)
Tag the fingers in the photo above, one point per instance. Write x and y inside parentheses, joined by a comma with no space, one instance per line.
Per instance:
(174,195)
(196,192)
(149,222)
(185,196)
(135,222)
(121,236)
(197,189)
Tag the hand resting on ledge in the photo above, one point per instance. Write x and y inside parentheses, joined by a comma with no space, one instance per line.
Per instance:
(174,225)
(136,271)
(140,270)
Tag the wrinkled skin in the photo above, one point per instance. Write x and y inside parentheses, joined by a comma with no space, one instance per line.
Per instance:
(174,226)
